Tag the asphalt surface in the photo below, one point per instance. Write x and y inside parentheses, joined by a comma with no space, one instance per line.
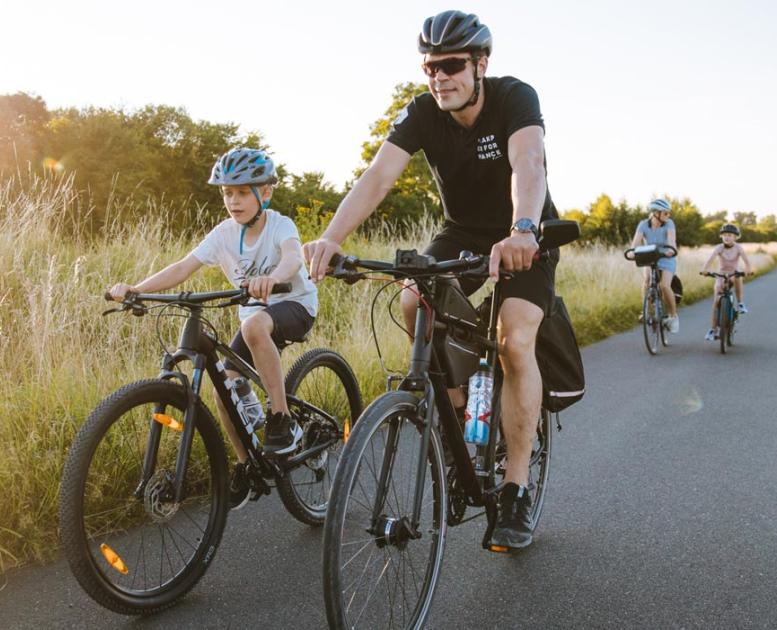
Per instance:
(661,513)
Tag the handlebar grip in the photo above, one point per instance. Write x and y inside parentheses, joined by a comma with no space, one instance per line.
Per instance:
(282,287)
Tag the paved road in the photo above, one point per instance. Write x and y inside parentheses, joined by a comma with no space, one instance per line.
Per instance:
(661,513)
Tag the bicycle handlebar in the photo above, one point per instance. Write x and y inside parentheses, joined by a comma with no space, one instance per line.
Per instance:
(725,276)
(630,250)
(187,297)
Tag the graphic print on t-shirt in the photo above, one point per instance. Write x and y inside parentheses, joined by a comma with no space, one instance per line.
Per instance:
(248,268)
(488,148)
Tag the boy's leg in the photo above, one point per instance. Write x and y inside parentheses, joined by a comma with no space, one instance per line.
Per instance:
(257,332)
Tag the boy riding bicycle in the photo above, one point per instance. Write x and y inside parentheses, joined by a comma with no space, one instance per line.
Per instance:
(659,229)
(257,248)
(729,252)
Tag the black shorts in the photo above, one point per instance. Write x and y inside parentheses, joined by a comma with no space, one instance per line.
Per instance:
(535,285)
(291,322)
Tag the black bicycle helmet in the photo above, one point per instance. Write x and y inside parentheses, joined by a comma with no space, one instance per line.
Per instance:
(730,228)
(454,31)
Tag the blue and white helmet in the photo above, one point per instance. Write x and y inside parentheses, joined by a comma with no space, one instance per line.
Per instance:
(243,167)
(659,205)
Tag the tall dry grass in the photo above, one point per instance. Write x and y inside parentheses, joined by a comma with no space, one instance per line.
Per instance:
(59,357)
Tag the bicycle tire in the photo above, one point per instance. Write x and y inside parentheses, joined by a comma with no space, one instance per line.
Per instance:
(323,378)
(100,461)
(650,323)
(539,462)
(732,326)
(723,321)
(351,527)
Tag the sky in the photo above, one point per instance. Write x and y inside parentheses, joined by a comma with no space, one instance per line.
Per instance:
(639,98)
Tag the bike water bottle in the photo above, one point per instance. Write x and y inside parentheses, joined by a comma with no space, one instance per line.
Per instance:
(478,414)
(251,405)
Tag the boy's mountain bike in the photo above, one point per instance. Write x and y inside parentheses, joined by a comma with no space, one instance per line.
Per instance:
(727,312)
(145,487)
(653,325)
(392,498)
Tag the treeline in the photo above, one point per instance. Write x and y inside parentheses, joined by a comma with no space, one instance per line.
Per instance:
(157,159)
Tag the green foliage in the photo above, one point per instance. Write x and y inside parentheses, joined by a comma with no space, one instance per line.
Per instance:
(22,122)
(415,193)
(308,190)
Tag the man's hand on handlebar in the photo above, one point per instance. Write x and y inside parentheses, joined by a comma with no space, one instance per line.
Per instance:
(514,253)
(318,254)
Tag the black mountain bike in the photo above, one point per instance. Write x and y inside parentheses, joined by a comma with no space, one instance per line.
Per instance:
(144,495)
(392,499)
(653,324)
(727,312)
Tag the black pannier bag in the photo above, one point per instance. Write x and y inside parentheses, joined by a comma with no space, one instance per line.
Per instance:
(458,353)
(677,289)
(559,360)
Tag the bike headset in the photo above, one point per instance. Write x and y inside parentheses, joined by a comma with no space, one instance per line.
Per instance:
(659,205)
(245,167)
(455,31)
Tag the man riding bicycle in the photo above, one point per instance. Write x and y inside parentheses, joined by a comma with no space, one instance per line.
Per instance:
(483,139)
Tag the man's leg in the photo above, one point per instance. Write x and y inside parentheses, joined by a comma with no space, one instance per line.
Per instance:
(519,321)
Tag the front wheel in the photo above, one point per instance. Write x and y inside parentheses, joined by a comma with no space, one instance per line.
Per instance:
(651,320)
(129,544)
(325,400)
(724,322)
(381,567)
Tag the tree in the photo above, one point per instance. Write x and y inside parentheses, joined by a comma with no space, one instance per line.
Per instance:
(745,218)
(415,192)
(22,124)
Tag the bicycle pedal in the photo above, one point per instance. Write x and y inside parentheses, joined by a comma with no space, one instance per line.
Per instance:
(498,548)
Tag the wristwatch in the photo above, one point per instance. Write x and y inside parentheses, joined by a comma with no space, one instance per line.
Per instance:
(525,225)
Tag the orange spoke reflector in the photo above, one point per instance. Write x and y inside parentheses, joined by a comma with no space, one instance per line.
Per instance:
(346,430)
(168,421)
(499,549)
(113,559)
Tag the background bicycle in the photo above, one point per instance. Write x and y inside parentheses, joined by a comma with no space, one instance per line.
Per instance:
(144,495)
(653,313)
(727,312)
(392,499)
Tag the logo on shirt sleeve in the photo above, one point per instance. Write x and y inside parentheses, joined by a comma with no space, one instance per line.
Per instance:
(400,117)
(487,148)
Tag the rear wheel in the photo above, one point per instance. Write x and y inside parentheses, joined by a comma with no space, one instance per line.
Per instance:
(651,321)
(380,568)
(325,402)
(129,544)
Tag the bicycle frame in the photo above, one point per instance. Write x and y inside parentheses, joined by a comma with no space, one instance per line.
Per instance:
(203,349)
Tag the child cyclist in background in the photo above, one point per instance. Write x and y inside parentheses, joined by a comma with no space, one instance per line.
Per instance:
(258,248)
(729,252)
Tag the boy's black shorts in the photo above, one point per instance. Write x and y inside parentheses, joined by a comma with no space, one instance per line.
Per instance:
(291,322)
(537,285)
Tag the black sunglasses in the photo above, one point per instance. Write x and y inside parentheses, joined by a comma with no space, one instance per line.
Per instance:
(449,65)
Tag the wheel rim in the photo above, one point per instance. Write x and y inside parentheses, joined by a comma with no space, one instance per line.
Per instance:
(323,389)
(138,540)
(651,322)
(386,578)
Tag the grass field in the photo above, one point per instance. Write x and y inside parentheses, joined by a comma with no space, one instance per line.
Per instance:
(59,357)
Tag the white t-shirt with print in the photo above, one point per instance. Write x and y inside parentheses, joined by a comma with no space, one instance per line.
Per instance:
(222,247)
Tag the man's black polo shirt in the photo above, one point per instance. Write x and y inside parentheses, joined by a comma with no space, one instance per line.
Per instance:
(471,166)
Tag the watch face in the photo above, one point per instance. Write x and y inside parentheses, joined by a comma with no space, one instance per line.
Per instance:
(524,225)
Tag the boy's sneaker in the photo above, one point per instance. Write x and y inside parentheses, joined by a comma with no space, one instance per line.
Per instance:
(281,434)
(742,308)
(711,335)
(513,526)
(240,491)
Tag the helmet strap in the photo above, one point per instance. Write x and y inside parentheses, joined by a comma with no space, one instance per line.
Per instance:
(476,90)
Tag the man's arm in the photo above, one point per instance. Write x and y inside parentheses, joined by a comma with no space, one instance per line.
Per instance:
(370,189)
(526,152)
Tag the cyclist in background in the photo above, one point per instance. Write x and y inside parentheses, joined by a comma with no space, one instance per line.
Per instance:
(659,229)
(483,138)
(729,252)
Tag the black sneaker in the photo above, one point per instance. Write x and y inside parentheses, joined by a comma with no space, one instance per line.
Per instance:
(240,491)
(513,526)
(281,434)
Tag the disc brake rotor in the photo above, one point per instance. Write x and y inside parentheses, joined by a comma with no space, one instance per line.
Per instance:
(157,497)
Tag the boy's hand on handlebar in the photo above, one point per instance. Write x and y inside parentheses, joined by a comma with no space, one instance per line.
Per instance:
(514,253)
(318,254)
(119,291)
(260,287)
